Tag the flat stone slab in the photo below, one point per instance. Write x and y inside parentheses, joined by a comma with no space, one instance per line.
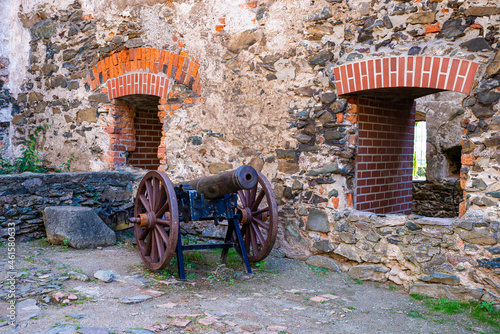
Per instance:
(434,221)
(89,291)
(27,309)
(94,330)
(78,227)
(65,329)
(134,299)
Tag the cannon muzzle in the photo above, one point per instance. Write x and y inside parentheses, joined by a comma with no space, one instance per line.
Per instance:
(228,182)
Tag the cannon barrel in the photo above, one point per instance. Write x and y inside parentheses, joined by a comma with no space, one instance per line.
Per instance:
(228,182)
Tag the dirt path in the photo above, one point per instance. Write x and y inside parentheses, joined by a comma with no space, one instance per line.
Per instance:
(283,296)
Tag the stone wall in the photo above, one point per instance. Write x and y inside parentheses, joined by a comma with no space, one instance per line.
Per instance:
(452,258)
(24,196)
(436,199)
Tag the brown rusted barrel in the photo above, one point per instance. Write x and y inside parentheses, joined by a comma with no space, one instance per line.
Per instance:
(228,182)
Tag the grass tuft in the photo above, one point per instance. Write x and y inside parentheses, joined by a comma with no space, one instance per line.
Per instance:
(482,311)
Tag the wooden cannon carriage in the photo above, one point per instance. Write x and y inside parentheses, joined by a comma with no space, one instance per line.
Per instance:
(243,197)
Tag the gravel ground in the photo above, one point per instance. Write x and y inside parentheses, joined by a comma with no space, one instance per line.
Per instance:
(282,296)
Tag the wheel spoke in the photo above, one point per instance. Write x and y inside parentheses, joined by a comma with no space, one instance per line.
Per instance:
(149,189)
(159,245)
(155,199)
(154,186)
(259,198)
(253,192)
(253,238)
(163,233)
(247,195)
(258,234)
(260,211)
(163,209)
(161,197)
(143,234)
(242,198)
(261,223)
(145,202)
(154,251)
(149,243)
(164,222)
(140,243)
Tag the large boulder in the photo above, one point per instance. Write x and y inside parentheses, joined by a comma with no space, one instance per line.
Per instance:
(78,227)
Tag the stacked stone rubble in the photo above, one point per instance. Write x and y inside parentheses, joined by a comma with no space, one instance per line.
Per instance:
(24,196)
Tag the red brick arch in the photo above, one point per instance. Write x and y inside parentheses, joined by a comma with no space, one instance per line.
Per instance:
(144,71)
(441,73)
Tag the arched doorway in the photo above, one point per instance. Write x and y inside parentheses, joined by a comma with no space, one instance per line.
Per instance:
(138,84)
(384,91)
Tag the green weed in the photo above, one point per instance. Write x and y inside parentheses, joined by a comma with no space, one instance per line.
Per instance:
(318,271)
(30,160)
(195,256)
(393,287)
(482,311)
(261,265)
(418,296)
(415,314)
(30,259)
(65,166)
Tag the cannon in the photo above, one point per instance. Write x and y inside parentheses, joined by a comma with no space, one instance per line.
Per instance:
(243,197)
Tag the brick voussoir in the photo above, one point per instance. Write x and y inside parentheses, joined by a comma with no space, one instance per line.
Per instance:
(407,71)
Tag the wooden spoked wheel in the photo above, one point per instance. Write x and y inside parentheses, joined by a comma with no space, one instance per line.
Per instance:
(156,220)
(259,223)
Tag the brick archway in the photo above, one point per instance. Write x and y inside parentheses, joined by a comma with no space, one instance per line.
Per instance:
(144,71)
(141,71)
(440,73)
(382,92)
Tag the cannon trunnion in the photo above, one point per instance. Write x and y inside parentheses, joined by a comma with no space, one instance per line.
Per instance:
(243,197)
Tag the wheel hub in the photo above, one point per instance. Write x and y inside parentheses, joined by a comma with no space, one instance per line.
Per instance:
(147,220)
(246,215)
